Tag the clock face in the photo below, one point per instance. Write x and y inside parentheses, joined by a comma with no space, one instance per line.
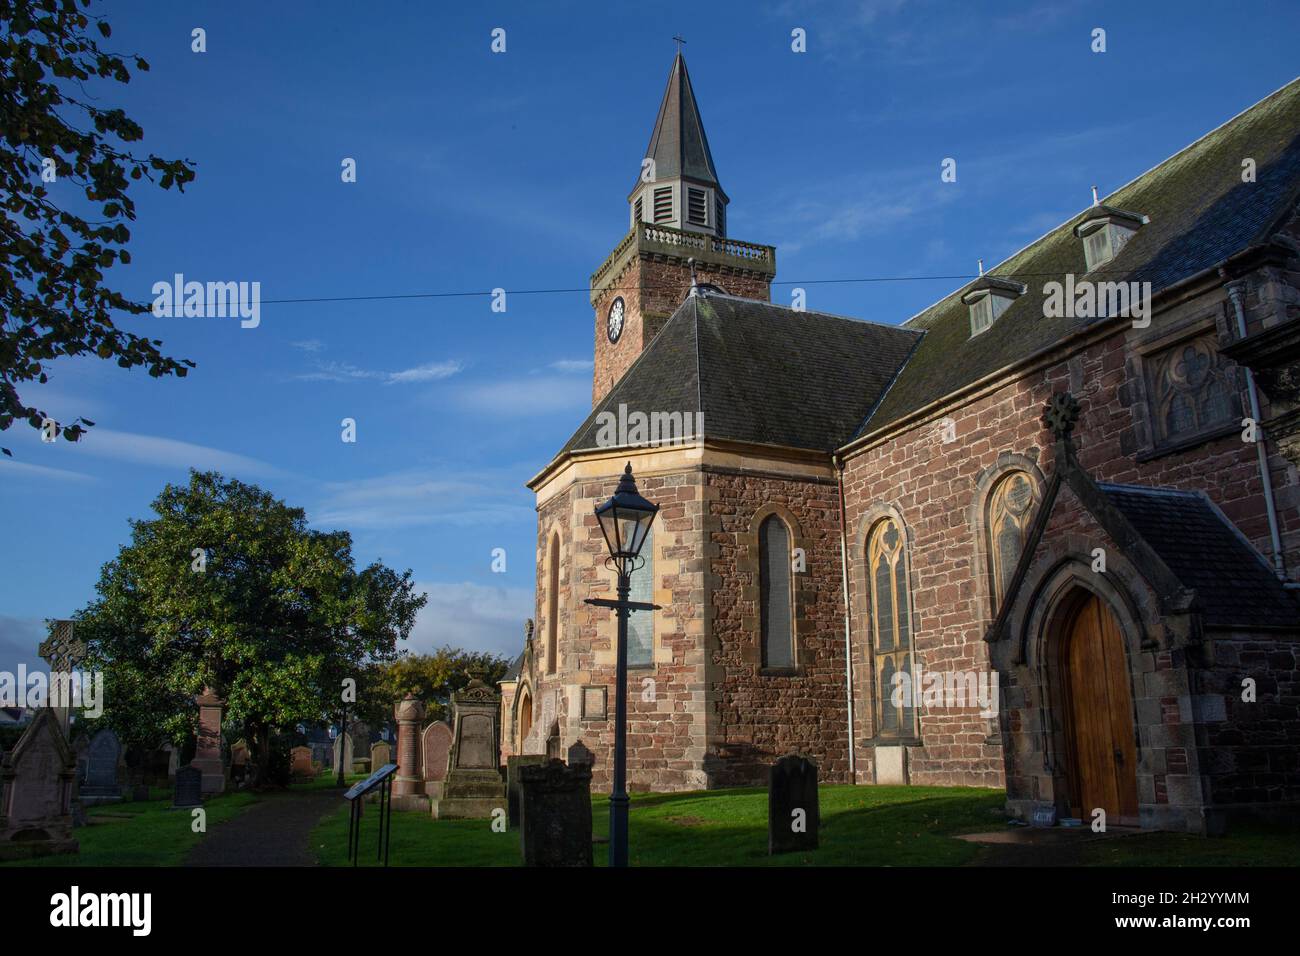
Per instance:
(614,325)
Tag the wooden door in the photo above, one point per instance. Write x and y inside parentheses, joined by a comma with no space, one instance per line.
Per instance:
(1100,716)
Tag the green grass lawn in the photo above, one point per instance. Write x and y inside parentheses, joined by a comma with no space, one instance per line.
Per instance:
(861,826)
(1247,844)
(143,833)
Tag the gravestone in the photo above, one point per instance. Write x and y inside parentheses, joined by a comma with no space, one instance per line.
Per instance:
(207,751)
(436,744)
(81,748)
(513,787)
(555,818)
(381,755)
(103,761)
(300,762)
(189,787)
(473,787)
(793,816)
(36,780)
(343,752)
(579,754)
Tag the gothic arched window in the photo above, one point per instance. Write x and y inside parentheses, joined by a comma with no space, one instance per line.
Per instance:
(776,596)
(1010,509)
(553,606)
(641,624)
(891,627)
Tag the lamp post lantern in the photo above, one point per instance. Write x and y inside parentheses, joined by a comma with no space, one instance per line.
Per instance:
(625,521)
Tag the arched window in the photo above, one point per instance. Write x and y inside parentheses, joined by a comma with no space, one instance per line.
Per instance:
(1010,509)
(891,627)
(553,606)
(641,624)
(776,598)
(525,717)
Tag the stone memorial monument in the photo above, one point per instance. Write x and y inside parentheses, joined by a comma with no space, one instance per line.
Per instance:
(344,750)
(300,763)
(513,787)
(555,817)
(36,780)
(381,755)
(408,783)
(473,787)
(793,816)
(207,752)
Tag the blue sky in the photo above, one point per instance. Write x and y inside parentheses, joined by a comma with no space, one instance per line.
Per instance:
(478,170)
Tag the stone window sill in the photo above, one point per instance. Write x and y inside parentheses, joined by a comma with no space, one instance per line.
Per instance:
(1187,443)
(780,672)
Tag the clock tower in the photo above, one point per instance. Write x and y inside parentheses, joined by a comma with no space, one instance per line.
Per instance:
(678,225)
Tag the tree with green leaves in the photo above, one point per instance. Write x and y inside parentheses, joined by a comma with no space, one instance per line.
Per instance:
(433,678)
(226,587)
(65,171)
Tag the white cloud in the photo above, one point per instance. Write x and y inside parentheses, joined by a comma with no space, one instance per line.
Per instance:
(417,498)
(309,345)
(21,469)
(164,452)
(347,372)
(472,616)
(526,397)
(572,365)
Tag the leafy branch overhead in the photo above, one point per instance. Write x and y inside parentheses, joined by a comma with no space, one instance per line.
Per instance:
(58,239)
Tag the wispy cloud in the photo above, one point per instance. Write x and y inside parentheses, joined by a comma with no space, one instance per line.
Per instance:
(572,365)
(423,497)
(22,469)
(165,452)
(347,372)
(309,345)
(526,397)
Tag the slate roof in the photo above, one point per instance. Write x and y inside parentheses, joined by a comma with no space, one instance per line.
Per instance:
(760,373)
(678,144)
(1233,585)
(1200,213)
(512,672)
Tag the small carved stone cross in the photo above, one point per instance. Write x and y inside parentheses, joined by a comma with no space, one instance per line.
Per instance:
(1060,414)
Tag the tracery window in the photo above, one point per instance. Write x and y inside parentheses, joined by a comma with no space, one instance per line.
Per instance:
(891,627)
(1010,510)
(1193,391)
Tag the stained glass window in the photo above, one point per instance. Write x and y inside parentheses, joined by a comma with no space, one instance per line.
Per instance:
(891,626)
(1193,391)
(1010,509)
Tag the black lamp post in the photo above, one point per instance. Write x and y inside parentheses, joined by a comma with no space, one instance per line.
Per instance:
(625,521)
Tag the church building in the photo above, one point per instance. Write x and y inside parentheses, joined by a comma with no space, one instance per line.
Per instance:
(1043,536)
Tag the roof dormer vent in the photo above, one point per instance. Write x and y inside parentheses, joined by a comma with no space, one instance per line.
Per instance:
(988,297)
(1105,230)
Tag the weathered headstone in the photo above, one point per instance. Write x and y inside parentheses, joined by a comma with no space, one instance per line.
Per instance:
(513,786)
(381,755)
(473,787)
(579,754)
(555,818)
(343,752)
(189,787)
(103,759)
(793,815)
(207,752)
(300,762)
(36,780)
(437,750)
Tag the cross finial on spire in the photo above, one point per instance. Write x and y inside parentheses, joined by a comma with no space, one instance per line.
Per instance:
(679,40)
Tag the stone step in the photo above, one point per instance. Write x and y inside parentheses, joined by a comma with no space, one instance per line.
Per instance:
(476,809)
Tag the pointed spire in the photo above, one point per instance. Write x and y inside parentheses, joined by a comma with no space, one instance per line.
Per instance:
(678,145)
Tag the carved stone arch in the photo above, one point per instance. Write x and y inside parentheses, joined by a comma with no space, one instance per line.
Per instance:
(801,583)
(522,717)
(986,483)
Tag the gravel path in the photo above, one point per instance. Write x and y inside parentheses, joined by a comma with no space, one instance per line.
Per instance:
(272,832)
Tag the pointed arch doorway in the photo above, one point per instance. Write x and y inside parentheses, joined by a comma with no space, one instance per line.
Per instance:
(1099,734)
